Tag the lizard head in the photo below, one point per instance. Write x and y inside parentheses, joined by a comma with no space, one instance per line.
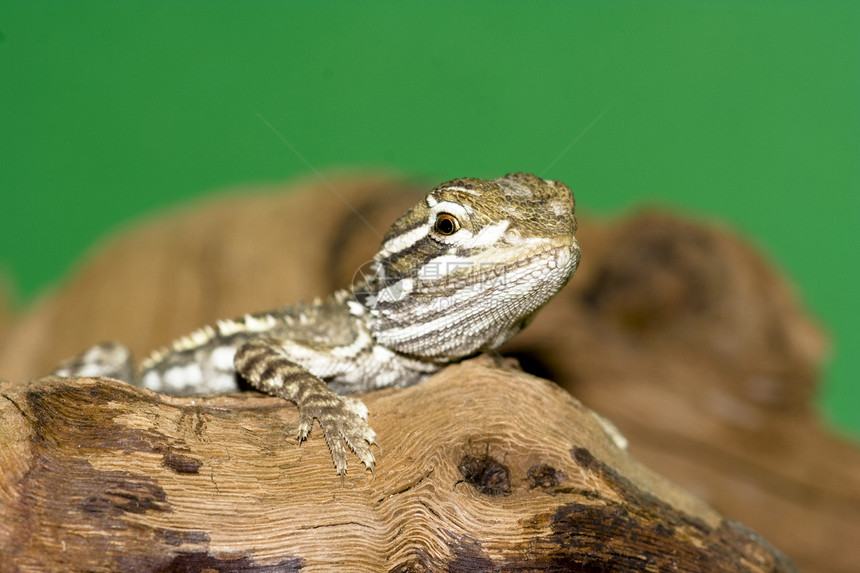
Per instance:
(469,265)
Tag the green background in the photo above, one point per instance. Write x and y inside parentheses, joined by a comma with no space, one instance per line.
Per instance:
(745,112)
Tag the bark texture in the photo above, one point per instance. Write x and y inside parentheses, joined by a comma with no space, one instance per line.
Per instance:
(484,468)
(677,331)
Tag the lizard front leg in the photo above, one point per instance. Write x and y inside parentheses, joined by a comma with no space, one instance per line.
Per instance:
(266,366)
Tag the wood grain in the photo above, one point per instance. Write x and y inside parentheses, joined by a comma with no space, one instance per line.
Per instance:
(482,468)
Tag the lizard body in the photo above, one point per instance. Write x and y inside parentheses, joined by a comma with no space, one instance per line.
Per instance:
(460,273)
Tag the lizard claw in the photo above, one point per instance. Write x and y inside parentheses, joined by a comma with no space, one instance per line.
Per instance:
(344,424)
(306,422)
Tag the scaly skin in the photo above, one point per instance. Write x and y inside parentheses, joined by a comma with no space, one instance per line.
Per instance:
(460,273)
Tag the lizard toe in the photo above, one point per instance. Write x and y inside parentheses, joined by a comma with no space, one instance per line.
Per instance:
(356,406)
(306,422)
(337,446)
(344,427)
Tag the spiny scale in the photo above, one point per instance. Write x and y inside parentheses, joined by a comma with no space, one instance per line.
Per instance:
(460,273)
(205,334)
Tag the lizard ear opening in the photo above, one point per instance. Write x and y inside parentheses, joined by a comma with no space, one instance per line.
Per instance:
(446,224)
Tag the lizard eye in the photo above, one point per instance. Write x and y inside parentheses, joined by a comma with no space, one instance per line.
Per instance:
(446,224)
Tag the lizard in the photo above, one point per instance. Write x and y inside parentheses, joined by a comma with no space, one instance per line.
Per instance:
(460,273)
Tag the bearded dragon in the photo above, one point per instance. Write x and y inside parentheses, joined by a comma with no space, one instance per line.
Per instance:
(460,273)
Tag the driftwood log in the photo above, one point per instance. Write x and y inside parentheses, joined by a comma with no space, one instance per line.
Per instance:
(483,469)
(676,331)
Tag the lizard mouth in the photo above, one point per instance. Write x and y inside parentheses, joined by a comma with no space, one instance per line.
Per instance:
(474,308)
(554,263)
(532,270)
